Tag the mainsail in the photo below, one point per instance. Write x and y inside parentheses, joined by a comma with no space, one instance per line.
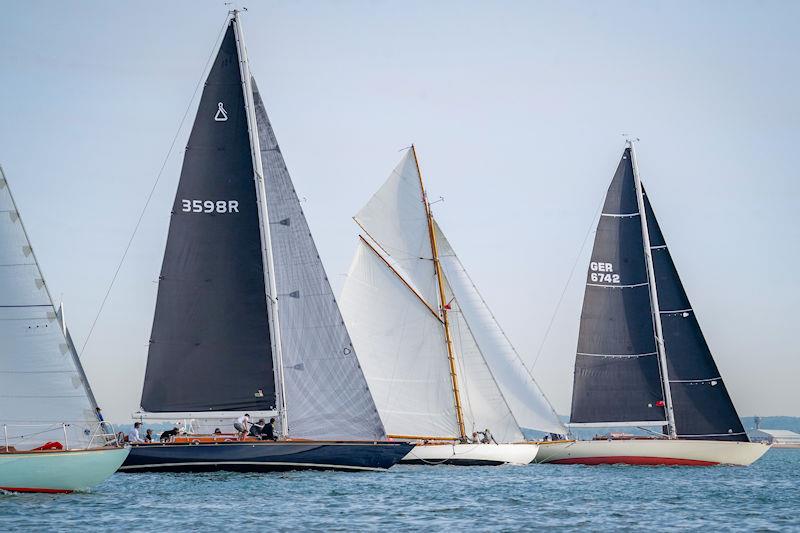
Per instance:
(210,346)
(392,307)
(43,390)
(623,374)
(245,318)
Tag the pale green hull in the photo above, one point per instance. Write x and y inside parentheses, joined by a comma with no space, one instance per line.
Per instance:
(59,471)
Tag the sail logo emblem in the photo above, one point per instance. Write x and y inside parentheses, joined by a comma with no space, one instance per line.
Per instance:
(602,272)
(221,115)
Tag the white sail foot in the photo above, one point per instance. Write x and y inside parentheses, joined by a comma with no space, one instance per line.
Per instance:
(472,454)
(651,452)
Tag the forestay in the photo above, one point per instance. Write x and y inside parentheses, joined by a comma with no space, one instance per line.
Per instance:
(326,392)
(42,385)
(521,393)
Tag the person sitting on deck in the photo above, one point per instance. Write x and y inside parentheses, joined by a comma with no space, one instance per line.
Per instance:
(242,425)
(134,437)
(148,436)
(487,437)
(268,431)
(257,428)
(217,431)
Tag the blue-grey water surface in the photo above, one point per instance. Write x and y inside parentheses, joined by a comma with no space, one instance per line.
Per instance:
(764,496)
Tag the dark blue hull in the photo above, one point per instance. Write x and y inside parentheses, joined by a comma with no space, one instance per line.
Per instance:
(264,456)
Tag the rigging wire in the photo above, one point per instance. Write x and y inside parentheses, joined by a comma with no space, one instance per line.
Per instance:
(153,188)
(566,285)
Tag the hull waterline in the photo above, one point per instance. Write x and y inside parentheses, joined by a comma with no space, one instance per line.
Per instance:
(261,456)
(651,452)
(58,471)
(472,454)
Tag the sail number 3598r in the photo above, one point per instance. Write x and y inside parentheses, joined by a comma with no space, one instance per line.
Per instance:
(210,206)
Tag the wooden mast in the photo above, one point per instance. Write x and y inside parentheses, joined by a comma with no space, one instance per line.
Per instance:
(442,301)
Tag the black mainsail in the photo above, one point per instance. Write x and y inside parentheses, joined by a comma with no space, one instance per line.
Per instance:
(617,375)
(245,316)
(210,343)
(634,296)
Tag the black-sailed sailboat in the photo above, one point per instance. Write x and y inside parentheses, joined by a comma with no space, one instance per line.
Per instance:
(245,320)
(642,360)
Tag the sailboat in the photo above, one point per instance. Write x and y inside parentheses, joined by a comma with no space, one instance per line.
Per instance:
(441,371)
(52,438)
(245,319)
(642,360)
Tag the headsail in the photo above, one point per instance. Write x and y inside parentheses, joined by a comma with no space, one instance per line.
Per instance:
(530,407)
(210,346)
(617,377)
(702,405)
(42,385)
(326,392)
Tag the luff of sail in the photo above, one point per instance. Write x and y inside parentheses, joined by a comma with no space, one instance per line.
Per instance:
(701,402)
(44,394)
(617,378)
(210,346)
(326,392)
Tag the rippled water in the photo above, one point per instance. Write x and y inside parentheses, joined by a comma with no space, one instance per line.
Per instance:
(765,496)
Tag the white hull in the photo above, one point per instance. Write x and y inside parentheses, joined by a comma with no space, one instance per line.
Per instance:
(472,454)
(58,471)
(651,452)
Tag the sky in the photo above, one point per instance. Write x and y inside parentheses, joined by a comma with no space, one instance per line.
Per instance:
(517,111)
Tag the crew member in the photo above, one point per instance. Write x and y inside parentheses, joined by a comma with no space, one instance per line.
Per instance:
(242,425)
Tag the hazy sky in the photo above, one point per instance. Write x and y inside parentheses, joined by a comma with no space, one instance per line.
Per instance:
(516,109)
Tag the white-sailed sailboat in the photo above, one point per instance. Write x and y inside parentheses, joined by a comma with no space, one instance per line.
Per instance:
(245,320)
(52,439)
(438,365)
(642,360)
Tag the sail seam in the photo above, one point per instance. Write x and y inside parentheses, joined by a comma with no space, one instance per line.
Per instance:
(676,311)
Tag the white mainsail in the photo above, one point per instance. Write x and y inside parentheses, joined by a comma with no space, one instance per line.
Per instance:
(390,302)
(43,393)
(400,343)
(528,403)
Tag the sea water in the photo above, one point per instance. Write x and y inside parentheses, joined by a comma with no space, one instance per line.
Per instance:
(764,496)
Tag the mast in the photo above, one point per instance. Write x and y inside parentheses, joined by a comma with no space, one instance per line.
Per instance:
(651,278)
(442,301)
(263,221)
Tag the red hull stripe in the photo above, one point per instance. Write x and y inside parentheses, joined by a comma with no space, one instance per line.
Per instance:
(632,460)
(49,491)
